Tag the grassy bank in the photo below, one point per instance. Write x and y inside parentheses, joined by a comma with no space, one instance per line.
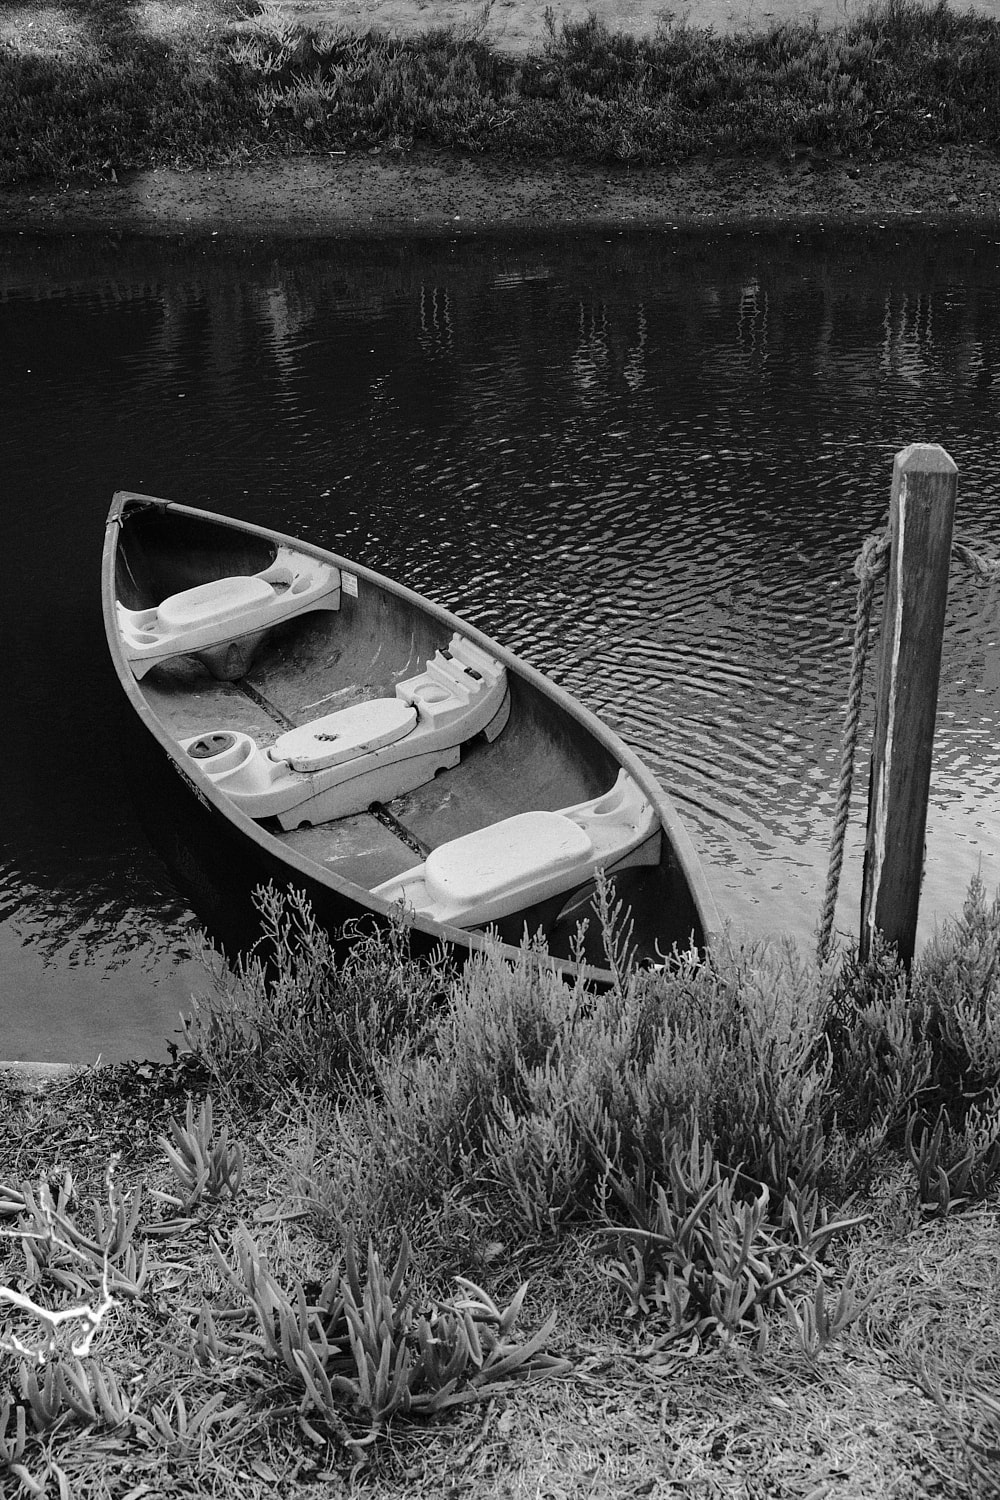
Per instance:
(728,1229)
(113,94)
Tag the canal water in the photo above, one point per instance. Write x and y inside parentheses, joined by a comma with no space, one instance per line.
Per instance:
(645,463)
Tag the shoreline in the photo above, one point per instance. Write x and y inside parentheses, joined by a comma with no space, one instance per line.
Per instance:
(425,192)
(439,196)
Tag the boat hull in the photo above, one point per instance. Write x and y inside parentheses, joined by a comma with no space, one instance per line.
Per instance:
(548,752)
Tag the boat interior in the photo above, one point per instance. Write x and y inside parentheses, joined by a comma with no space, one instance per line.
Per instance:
(297,682)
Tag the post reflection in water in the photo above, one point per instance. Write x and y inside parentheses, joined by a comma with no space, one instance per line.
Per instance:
(646,464)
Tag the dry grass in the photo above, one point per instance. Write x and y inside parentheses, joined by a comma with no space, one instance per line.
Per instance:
(906,1404)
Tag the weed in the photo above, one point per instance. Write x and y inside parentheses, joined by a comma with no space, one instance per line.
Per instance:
(13,1443)
(817,1323)
(203,1168)
(59,1254)
(359,1351)
(955,1165)
(68,1390)
(179,1432)
(703,1254)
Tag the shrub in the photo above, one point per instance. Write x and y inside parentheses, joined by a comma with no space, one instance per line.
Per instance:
(957,994)
(301,1014)
(881,1057)
(899,77)
(530,1091)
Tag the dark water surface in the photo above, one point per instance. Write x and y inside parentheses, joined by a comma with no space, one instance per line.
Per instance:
(646,464)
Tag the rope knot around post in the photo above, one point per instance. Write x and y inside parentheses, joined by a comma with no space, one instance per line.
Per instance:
(872,561)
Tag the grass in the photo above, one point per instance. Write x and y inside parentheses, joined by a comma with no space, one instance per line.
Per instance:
(117,86)
(726,1229)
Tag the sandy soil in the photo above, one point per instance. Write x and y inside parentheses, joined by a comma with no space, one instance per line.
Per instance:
(519,25)
(428,192)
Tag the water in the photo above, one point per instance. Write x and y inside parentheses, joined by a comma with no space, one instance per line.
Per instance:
(647,464)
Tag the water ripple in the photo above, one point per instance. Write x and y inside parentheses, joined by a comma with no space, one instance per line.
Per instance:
(648,466)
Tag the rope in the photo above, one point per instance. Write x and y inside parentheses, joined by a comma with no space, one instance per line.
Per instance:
(988,568)
(871,563)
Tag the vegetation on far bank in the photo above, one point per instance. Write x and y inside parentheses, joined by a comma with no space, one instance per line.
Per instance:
(729,1227)
(227,88)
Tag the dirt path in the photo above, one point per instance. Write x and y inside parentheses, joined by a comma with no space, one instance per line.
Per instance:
(519,25)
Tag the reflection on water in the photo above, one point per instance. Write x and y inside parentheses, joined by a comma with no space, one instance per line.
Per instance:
(646,464)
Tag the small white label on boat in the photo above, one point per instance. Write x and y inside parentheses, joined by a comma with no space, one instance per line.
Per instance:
(349,583)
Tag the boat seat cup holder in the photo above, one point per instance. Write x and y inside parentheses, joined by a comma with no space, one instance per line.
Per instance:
(221,750)
(211,745)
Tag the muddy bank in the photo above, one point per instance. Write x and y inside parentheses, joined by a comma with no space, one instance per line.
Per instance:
(439,193)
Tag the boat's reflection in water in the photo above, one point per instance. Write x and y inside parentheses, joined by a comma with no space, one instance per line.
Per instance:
(215,876)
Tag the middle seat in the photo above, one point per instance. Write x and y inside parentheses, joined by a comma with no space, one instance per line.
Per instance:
(344,735)
(372,751)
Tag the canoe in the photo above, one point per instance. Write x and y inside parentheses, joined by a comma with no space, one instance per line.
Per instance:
(340,735)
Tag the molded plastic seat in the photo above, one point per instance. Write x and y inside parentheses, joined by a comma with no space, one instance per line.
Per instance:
(509,866)
(341,736)
(200,620)
(486,865)
(212,603)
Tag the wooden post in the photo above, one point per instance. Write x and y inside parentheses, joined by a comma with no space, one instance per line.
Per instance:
(921,517)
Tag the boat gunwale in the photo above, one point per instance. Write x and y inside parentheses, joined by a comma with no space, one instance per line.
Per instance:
(674,830)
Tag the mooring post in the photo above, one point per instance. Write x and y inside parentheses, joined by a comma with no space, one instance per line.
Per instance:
(921,518)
